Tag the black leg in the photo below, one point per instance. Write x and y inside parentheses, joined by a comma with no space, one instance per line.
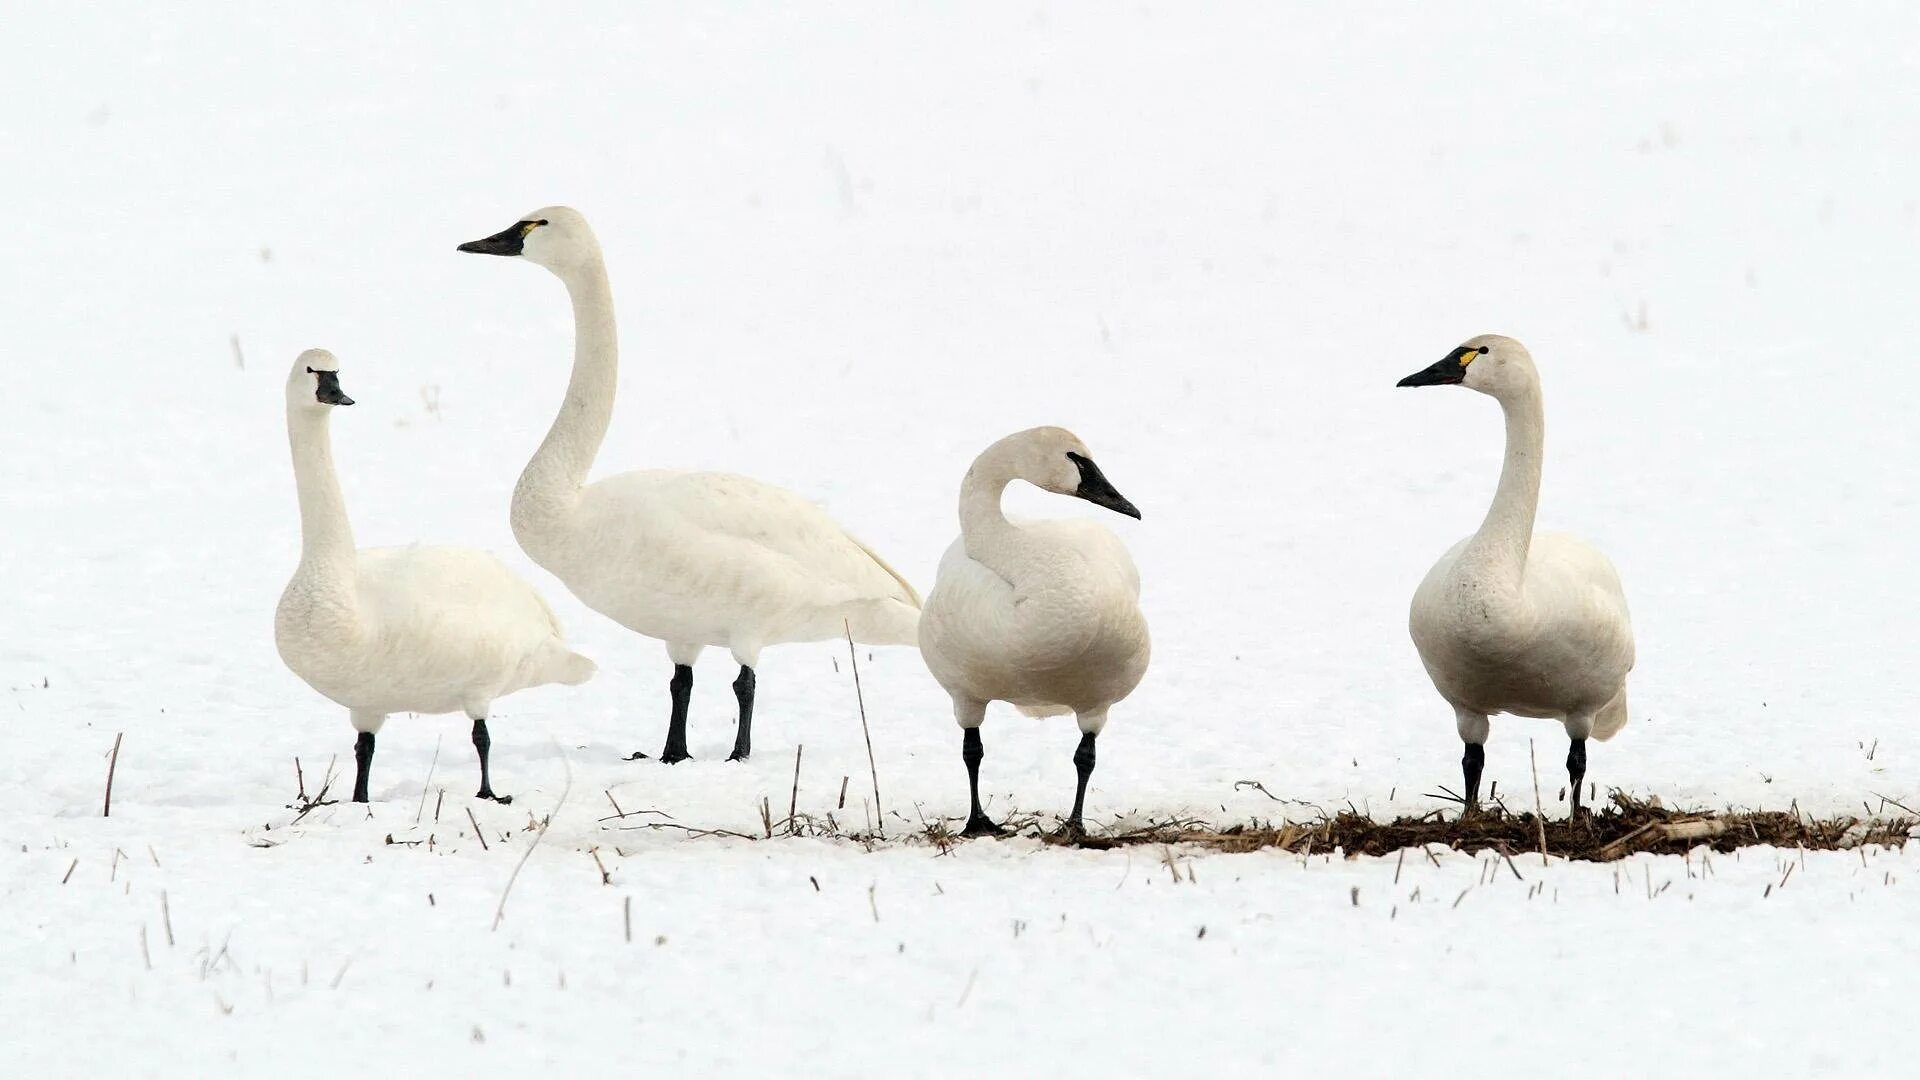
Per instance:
(363,763)
(1471,763)
(482,743)
(682,690)
(1577,770)
(743,691)
(971,752)
(1082,764)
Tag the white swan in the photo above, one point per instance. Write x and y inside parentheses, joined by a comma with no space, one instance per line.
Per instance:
(1043,615)
(1517,622)
(694,559)
(400,629)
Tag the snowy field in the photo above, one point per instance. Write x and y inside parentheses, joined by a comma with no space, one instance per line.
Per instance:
(850,248)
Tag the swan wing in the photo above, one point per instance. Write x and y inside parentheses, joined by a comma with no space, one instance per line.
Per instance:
(742,527)
(1580,586)
(459,618)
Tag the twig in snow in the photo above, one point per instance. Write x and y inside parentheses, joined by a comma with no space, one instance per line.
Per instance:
(627,906)
(880,825)
(477,831)
(428,782)
(113,760)
(166,917)
(69,873)
(1884,800)
(305,805)
(501,911)
(1539,812)
(793,800)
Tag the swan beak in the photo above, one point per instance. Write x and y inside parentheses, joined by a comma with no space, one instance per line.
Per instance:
(1450,371)
(329,392)
(508,241)
(1096,489)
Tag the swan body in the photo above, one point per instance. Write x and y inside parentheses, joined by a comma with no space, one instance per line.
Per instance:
(1042,615)
(1510,621)
(419,628)
(691,558)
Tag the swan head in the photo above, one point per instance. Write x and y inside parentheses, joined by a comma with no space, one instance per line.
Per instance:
(556,237)
(1054,459)
(1489,363)
(315,382)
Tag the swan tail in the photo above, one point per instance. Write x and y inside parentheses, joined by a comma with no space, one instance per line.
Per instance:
(913,595)
(884,622)
(1611,718)
(1042,711)
(568,668)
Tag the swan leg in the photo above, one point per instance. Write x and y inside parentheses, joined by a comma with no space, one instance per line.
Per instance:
(1576,770)
(970,714)
(681,688)
(482,743)
(1473,728)
(1074,829)
(1471,764)
(971,752)
(743,692)
(362,763)
(366,723)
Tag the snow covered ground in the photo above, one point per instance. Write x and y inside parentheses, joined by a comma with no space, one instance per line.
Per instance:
(852,247)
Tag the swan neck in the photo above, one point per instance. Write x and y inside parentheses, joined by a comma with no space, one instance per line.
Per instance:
(1507,532)
(989,537)
(326,536)
(550,485)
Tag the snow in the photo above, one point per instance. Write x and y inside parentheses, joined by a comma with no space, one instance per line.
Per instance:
(851,248)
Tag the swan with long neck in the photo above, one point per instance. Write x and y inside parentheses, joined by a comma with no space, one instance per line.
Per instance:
(1042,615)
(402,629)
(692,559)
(1513,621)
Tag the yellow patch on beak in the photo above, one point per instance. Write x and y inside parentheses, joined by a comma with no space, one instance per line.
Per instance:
(527,227)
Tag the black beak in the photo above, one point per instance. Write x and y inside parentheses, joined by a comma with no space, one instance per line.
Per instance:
(1095,488)
(507,241)
(1448,372)
(329,392)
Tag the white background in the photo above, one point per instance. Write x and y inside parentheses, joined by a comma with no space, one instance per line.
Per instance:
(851,246)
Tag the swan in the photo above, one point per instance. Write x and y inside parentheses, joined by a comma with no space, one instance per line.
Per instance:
(1043,615)
(690,558)
(1513,621)
(400,629)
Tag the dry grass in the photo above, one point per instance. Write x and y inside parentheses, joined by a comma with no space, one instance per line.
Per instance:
(1624,827)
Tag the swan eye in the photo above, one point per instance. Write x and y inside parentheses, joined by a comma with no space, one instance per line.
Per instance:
(1467,355)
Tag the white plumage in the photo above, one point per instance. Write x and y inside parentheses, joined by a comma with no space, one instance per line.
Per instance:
(1509,621)
(401,629)
(1044,615)
(691,558)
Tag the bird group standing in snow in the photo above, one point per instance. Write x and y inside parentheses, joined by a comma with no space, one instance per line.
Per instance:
(1044,616)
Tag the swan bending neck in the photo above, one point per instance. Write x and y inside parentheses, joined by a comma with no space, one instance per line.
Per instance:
(990,538)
